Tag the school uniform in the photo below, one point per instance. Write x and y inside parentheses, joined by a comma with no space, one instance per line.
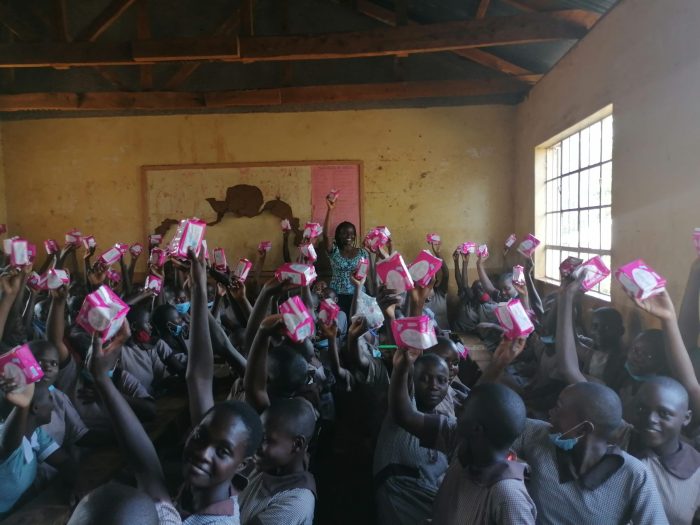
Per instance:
(407,476)
(18,471)
(284,500)
(438,305)
(495,494)
(146,365)
(221,513)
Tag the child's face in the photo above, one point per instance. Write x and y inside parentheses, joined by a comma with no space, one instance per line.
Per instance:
(142,323)
(643,357)
(277,449)
(431,381)
(451,357)
(659,415)
(604,331)
(48,361)
(215,450)
(329,293)
(507,287)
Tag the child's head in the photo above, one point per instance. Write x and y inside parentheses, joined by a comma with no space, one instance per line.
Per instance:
(431,377)
(606,327)
(41,310)
(587,408)
(492,418)
(288,426)
(479,292)
(329,293)
(166,320)
(345,234)
(211,292)
(287,372)
(115,504)
(139,320)
(660,412)
(46,355)
(447,349)
(646,355)
(42,404)
(219,446)
(505,284)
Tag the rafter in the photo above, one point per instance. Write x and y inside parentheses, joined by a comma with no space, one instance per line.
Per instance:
(483,58)
(60,20)
(143,32)
(169,100)
(16,24)
(482,8)
(451,36)
(104,20)
(247,18)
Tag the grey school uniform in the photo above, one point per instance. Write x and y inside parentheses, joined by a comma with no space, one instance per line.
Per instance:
(406,476)
(69,380)
(147,366)
(492,495)
(279,500)
(619,489)
(221,513)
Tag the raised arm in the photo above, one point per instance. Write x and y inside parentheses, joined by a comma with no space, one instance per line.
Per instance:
(459,279)
(444,280)
(200,365)
(401,409)
(260,309)
(255,378)
(327,239)
(56,323)
(330,332)
(132,437)
(483,276)
(419,295)
(661,307)
(285,247)
(237,292)
(223,346)
(535,299)
(504,355)
(358,359)
(565,342)
(11,286)
(689,317)
(15,426)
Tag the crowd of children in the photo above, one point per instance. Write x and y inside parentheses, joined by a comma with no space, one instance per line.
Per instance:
(350,399)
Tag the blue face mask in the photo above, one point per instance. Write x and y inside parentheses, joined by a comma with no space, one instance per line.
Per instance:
(182,308)
(210,305)
(565,443)
(175,329)
(636,377)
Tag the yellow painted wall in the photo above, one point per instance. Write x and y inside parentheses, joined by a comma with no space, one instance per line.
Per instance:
(3,200)
(447,170)
(642,58)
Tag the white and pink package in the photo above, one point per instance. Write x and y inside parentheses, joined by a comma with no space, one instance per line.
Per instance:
(153,282)
(102,311)
(308,252)
(362,268)
(136,249)
(393,272)
(510,241)
(220,262)
(20,365)
(568,265)
(21,251)
(467,248)
(432,238)
(594,270)
(155,239)
(312,230)
(189,234)
(514,319)
(518,275)
(158,257)
(57,278)
(285,225)
(376,239)
(122,247)
(111,256)
(242,269)
(696,239)
(638,278)
(328,311)
(300,274)
(414,332)
(528,245)
(482,251)
(114,276)
(205,249)
(333,195)
(89,242)
(36,282)
(74,237)
(424,268)
(265,246)
(298,321)
(51,246)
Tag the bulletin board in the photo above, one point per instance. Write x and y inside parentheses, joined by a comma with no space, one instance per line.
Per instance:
(173,192)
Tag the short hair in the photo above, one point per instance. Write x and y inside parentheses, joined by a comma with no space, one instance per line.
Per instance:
(40,346)
(610,314)
(160,316)
(598,404)
(430,359)
(115,504)
(295,416)
(287,370)
(670,384)
(135,312)
(500,411)
(249,417)
(443,342)
(340,226)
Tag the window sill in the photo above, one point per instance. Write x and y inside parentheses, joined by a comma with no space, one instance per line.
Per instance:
(595,295)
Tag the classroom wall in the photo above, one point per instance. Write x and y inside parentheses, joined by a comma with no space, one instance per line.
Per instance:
(3,200)
(447,170)
(642,58)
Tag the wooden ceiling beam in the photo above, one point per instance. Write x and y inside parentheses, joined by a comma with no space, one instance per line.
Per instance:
(451,36)
(60,21)
(104,20)
(16,24)
(179,100)
(483,58)
(143,32)
(482,8)
(534,5)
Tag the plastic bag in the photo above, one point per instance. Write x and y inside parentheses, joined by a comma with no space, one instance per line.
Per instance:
(368,308)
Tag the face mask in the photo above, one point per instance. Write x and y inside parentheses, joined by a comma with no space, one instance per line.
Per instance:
(485,298)
(175,329)
(636,377)
(142,336)
(182,308)
(565,443)
(209,305)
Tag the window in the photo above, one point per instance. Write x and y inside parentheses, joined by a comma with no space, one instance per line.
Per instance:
(578,198)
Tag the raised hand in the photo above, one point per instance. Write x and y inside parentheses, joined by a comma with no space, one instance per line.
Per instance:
(435,248)
(404,358)
(101,360)
(276,287)
(328,331)
(357,327)
(659,305)
(388,300)
(11,282)
(272,324)
(508,350)
(19,397)
(237,289)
